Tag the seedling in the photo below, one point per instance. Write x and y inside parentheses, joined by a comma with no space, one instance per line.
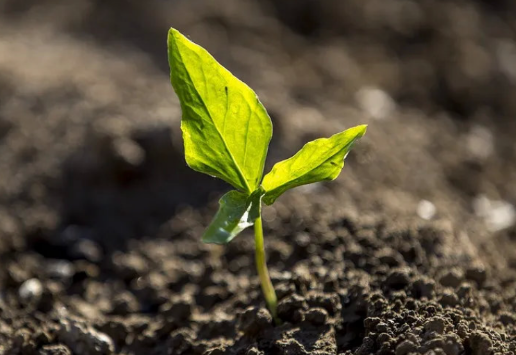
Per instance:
(226,132)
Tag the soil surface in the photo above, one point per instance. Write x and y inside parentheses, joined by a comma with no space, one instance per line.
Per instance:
(411,251)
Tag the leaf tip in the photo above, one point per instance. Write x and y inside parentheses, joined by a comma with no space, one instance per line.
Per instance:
(171,41)
(172,32)
(361,130)
(175,37)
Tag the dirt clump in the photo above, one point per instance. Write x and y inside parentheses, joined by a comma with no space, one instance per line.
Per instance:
(411,251)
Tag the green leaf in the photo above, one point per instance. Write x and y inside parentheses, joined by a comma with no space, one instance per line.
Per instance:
(226,129)
(237,212)
(321,159)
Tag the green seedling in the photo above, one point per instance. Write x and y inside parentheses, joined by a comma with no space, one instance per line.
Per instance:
(226,132)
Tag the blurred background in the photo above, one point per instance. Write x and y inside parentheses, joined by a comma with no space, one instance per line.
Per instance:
(99,212)
(90,147)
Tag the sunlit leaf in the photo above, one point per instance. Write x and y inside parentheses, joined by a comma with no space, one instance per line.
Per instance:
(321,159)
(226,129)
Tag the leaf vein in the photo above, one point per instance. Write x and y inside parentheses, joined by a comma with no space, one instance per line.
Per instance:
(247,131)
(239,171)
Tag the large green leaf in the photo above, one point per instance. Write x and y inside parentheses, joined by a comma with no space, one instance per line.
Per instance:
(321,159)
(226,129)
(237,211)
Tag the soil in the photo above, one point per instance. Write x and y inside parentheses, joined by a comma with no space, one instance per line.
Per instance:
(411,251)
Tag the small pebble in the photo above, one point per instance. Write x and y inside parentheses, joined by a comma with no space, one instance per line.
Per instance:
(375,102)
(480,142)
(497,215)
(86,249)
(128,152)
(60,270)
(426,210)
(30,291)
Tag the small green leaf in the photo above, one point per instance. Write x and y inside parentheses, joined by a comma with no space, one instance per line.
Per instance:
(226,129)
(321,159)
(237,212)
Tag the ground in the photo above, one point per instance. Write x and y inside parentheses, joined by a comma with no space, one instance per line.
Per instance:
(410,251)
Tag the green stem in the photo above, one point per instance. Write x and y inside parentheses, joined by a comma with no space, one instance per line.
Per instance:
(263,272)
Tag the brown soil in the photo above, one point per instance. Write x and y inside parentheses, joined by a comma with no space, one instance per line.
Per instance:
(100,218)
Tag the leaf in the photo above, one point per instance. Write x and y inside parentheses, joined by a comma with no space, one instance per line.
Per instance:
(226,129)
(321,159)
(237,212)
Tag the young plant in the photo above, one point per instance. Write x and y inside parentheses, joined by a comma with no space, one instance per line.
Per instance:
(226,132)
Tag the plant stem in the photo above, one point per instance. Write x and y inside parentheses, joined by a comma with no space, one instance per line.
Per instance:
(261,265)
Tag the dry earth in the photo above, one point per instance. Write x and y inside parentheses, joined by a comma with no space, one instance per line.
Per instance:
(411,251)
